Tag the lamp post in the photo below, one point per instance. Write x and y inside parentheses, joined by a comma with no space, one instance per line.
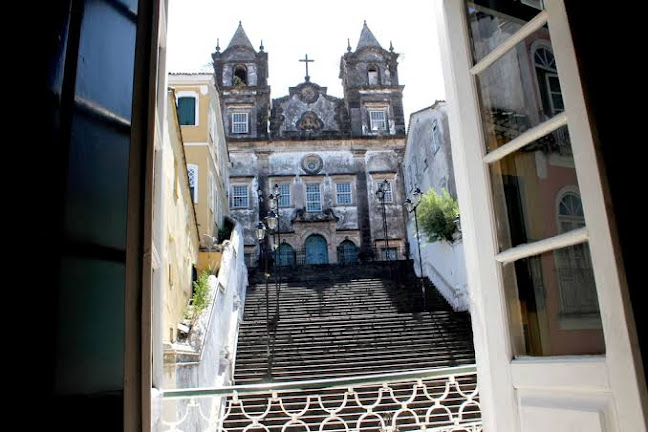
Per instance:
(380,194)
(410,205)
(260,235)
(273,220)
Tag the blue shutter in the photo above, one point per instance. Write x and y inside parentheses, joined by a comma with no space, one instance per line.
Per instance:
(187,110)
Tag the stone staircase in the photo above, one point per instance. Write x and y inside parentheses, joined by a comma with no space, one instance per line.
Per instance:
(342,321)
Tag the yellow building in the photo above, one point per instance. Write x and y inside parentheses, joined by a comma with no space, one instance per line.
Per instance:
(201,123)
(177,239)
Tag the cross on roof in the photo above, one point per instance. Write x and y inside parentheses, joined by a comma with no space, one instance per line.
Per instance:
(305,60)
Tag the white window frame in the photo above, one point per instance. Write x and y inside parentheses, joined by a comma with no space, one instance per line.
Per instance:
(239,122)
(234,196)
(319,198)
(550,72)
(374,125)
(192,168)
(344,193)
(389,193)
(195,95)
(551,93)
(502,381)
(284,192)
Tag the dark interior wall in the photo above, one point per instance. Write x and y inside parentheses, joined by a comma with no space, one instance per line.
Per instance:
(603,38)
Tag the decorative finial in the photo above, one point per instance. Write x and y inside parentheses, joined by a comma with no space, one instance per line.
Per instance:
(348,45)
(391,47)
(365,22)
(261,47)
(217,45)
(240,23)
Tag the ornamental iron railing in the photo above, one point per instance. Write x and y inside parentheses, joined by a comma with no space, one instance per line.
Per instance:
(441,399)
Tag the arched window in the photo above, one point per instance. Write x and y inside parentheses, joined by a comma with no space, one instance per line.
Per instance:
(573,264)
(239,78)
(372,75)
(347,252)
(285,255)
(570,212)
(547,75)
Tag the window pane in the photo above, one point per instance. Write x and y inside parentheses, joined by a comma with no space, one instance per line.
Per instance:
(491,22)
(239,197)
(91,337)
(527,188)
(313,198)
(515,91)
(389,254)
(187,110)
(284,195)
(387,188)
(377,119)
(553,303)
(95,205)
(239,123)
(106,58)
(343,193)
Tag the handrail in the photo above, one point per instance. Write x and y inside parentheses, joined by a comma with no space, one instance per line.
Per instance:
(320,383)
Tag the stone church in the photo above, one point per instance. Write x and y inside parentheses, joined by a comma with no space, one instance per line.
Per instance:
(327,156)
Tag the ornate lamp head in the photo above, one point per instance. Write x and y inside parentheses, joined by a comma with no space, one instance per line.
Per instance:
(260,231)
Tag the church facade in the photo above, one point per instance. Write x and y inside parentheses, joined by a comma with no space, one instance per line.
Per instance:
(327,156)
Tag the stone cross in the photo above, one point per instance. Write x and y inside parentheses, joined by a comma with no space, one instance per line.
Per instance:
(305,60)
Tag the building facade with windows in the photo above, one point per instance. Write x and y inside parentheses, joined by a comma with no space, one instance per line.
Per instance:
(199,115)
(325,155)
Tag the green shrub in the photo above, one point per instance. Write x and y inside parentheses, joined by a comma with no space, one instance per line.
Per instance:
(200,297)
(437,214)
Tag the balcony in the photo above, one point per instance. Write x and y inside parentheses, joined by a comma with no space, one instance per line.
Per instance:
(439,399)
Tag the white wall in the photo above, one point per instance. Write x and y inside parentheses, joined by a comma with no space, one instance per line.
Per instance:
(208,358)
(443,263)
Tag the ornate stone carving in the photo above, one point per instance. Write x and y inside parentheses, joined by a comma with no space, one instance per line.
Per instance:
(312,164)
(327,215)
(309,122)
(308,94)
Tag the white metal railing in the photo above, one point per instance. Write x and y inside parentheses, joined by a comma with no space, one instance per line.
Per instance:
(440,399)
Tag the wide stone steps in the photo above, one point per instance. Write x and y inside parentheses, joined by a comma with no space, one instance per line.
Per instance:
(336,322)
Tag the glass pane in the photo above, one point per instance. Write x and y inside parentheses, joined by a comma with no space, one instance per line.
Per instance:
(90,334)
(516,93)
(131,4)
(491,22)
(106,58)
(95,208)
(553,303)
(528,187)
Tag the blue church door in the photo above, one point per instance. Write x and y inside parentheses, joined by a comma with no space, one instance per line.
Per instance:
(316,250)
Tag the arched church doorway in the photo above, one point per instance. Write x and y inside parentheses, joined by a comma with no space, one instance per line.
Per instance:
(316,250)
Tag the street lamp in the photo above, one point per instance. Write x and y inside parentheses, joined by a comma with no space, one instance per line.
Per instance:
(260,235)
(380,194)
(410,205)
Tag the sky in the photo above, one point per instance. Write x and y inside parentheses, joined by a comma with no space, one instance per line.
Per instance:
(290,29)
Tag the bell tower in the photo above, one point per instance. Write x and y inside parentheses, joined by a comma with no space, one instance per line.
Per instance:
(241,76)
(373,96)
